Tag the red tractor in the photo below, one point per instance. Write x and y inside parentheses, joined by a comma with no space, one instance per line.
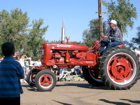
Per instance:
(118,68)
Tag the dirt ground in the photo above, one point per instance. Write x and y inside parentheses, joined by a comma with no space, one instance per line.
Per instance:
(80,93)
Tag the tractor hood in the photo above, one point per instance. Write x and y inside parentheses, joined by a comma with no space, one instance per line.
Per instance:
(60,46)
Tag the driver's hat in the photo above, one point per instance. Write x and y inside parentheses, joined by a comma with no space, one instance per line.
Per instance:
(113,22)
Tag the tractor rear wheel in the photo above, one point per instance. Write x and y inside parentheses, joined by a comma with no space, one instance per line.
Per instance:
(91,77)
(31,77)
(45,80)
(119,68)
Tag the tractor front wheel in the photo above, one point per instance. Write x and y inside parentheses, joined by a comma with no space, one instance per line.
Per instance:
(45,80)
(119,68)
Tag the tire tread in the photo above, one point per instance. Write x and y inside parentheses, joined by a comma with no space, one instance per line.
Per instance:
(103,72)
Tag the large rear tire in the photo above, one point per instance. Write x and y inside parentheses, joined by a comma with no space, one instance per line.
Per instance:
(90,76)
(45,80)
(31,77)
(119,68)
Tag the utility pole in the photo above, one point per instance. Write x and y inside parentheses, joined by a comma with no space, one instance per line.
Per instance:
(100,17)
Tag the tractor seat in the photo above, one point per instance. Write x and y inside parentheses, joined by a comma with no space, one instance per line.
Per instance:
(121,45)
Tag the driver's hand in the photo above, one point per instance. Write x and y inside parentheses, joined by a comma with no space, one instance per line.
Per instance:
(103,36)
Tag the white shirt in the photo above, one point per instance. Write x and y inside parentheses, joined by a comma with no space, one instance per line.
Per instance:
(22,62)
(37,63)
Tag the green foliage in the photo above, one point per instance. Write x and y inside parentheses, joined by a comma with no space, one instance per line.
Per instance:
(55,41)
(70,42)
(123,12)
(120,10)
(128,44)
(35,39)
(92,34)
(14,27)
(137,39)
(87,38)
(75,42)
(135,42)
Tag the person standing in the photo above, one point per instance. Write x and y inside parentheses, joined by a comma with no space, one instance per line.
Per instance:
(61,73)
(112,38)
(27,67)
(55,69)
(10,74)
(37,63)
(78,70)
(22,62)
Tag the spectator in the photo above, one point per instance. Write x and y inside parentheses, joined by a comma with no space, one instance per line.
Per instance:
(61,73)
(78,70)
(31,64)
(17,58)
(27,67)
(55,69)
(37,63)
(22,62)
(10,74)
(64,74)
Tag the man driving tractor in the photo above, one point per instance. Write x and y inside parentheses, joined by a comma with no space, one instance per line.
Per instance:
(118,70)
(112,38)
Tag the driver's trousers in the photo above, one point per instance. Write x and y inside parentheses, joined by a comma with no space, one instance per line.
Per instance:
(106,45)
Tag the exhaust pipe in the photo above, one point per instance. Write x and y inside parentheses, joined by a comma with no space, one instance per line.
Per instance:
(63,33)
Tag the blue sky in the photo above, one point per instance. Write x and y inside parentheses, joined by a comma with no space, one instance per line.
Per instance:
(75,13)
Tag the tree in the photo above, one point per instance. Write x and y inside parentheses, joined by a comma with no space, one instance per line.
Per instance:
(14,27)
(137,39)
(92,34)
(87,38)
(128,44)
(35,39)
(55,41)
(123,12)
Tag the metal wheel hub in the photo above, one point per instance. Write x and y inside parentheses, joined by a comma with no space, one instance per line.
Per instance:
(45,80)
(121,68)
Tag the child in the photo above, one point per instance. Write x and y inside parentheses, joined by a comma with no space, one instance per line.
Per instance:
(10,74)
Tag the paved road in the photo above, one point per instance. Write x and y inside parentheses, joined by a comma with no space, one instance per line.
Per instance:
(81,93)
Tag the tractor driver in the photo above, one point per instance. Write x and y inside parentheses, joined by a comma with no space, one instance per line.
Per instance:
(112,38)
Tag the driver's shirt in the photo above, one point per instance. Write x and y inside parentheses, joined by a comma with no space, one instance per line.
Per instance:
(115,35)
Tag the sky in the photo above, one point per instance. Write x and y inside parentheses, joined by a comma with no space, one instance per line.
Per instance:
(75,13)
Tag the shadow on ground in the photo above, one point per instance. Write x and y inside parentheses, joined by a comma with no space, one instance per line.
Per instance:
(132,101)
(83,85)
(136,102)
(29,87)
(113,102)
(61,102)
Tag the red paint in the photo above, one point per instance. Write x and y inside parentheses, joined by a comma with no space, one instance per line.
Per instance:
(71,55)
(120,68)
(45,80)
(67,55)
(122,45)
